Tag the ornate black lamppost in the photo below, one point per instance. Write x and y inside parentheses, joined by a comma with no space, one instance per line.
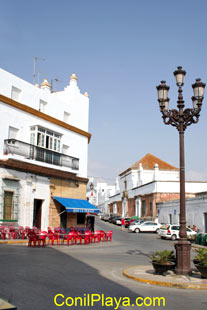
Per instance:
(181,118)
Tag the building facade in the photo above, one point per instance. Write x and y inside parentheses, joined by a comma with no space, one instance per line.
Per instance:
(148,182)
(98,193)
(43,151)
(196,212)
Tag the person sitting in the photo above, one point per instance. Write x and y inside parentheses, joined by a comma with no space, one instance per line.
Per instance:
(195,228)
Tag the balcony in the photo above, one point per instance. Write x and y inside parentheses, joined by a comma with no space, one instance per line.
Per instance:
(33,152)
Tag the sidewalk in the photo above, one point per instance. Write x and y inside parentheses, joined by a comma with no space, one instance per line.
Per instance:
(145,274)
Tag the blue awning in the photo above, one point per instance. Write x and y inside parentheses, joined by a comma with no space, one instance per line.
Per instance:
(76,205)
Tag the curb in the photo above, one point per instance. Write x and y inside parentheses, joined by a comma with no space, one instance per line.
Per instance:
(165,284)
(6,305)
(14,242)
(198,246)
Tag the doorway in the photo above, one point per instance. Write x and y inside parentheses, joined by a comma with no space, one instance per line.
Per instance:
(37,214)
(63,217)
(205,222)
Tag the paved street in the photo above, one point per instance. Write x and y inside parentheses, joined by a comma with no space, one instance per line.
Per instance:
(31,277)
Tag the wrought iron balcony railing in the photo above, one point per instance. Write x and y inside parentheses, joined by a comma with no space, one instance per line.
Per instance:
(34,152)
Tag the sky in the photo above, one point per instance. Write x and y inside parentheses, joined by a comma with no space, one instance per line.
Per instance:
(120,51)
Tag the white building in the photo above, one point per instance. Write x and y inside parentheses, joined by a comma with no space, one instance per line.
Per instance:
(43,151)
(98,193)
(146,183)
(196,212)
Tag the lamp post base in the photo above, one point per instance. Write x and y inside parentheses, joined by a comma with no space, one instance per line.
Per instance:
(183,248)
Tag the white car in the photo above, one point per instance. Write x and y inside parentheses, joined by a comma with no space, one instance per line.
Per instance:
(169,231)
(145,226)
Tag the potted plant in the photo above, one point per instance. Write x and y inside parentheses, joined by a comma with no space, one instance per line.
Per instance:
(202,262)
(162,261)
(201,252)
(192,238)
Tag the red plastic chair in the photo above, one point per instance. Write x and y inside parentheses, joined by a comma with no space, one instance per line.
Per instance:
(96,236)
(32,238)
(77,236)
(41,238)
(52,236)
(109,235)
(13,232)
(26,231)
(61,233)
(70,238)
(36,230)
(57,234)
(102,235)
(21,232)
(88,237)
(3,232)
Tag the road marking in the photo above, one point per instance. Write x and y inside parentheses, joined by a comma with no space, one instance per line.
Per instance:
(123,279)
(140,272)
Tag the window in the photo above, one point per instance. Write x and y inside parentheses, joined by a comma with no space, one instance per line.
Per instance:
(150,209)
(66,117)
(45,138)
(143,207)
(8,205)
(15,93)
(42,106)
(175,227)
(13,132)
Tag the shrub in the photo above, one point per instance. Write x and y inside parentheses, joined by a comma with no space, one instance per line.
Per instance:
(163,257)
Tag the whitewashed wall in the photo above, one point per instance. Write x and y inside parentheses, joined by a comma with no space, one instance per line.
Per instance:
(78,144)
(31,187)
(195,209)
(69,100)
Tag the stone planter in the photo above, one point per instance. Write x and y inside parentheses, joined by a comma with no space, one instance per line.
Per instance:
(173,261)
(162,268)
(202,270)
(196,262)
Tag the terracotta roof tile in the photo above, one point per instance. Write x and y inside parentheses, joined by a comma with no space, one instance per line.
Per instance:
(148,162)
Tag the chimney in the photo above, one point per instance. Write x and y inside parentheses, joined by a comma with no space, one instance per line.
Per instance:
(46,85)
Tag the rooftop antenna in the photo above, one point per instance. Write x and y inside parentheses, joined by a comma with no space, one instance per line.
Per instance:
(53,81)
(34,68)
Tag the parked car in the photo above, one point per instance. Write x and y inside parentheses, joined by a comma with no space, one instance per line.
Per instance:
(105,217)
(144,226)
(169,231)
(130,221)
(101,215)
(111,217)
(115,218)
(118,220)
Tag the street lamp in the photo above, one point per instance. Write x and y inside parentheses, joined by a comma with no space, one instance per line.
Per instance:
(91,186)
(181,118)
